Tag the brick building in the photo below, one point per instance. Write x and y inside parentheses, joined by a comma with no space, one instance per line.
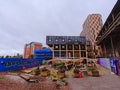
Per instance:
(29,48)
(91,29)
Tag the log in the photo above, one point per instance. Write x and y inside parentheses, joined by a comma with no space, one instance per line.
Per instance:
(25,77)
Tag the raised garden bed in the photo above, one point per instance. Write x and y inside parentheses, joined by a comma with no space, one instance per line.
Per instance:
(92,71)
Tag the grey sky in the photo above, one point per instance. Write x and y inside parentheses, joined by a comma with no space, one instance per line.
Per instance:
(23,21)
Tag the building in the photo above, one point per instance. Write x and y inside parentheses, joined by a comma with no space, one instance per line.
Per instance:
(67,47)
(29,48)
(89,49)
(109,36)
(44,53)
(91,29)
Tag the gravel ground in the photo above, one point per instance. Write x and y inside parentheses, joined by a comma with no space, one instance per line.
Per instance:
(14,82)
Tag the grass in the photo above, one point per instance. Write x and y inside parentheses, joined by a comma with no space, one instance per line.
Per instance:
(1,77)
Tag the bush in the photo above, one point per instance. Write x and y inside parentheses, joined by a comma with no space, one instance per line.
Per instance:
(44,69)
(37,71)
(92,69)
(31,56)
(76,63)
(76,70)
(1,77)
(77,66)
(61,70)
(60,65)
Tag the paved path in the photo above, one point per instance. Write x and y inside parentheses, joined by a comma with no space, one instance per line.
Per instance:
(107,81)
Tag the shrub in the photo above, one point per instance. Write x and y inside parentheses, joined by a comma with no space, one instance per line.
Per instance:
(60,65)
(44,69)
(37,71)
(92,69)
(1,77)
(31,56)
(76,70)
(61,70)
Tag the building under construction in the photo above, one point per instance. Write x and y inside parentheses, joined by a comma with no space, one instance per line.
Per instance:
(67,47)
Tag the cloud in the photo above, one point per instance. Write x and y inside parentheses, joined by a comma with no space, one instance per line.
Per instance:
(23,21)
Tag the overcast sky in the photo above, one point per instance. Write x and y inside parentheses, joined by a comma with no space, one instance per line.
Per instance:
(23,21)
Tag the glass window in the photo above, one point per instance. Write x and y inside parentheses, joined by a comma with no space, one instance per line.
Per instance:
(56,46)
(63,40)
(63,46)
(69,40)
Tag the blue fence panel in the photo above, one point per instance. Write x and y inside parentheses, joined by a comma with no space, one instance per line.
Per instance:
(7,64)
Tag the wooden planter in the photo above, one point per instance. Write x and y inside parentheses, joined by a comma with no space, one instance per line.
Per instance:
(89,73)
(95,74)
(61,75)
(76,75)
(80,75)
(44,73)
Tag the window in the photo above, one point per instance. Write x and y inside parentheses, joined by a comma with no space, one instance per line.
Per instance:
(76,40)
(83,54)
(76,47)
(83,47)
(63,40)
(49,40)
(69,40)
(56,46)
(63,46)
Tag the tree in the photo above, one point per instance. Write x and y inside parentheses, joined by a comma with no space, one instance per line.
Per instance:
(37,71)
(31,56)
(7,56)
(1,56)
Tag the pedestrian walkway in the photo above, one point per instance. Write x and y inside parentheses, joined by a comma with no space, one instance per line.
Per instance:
(103,71)
(106,81)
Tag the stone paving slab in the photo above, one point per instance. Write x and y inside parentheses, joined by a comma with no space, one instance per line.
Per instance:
(107,81)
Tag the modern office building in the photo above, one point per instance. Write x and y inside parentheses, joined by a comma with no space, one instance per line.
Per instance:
(67,47)
(109,36)
(29,48)
(91,29)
